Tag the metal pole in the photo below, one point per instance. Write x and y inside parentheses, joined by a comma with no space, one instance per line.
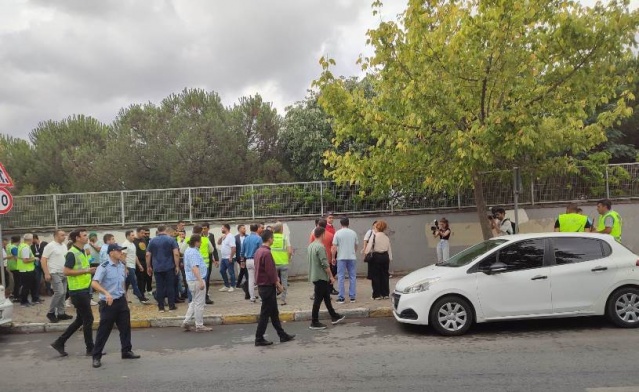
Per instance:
(607,184)
(4,282)
(321,198)
(190,206)
(122,207)
(252,202)
(516,194)
(458,199)
(55,210)
(532,190)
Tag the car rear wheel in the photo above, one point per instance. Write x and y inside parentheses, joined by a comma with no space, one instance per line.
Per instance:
(623,307)
(451,316)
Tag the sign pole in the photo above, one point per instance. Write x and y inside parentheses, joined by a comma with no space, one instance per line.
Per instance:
(4,284)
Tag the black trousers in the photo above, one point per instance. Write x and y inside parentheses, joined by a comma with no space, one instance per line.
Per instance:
(322,294)
(378,274)
(208,277)
(16,284)
(268,310)
(83,318)
(145,282)
(118,313)
(28,283)
(243,275)
(334,272)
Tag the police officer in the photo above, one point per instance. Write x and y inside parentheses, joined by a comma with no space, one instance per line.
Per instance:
(572,221)
(109,281)
(609,221)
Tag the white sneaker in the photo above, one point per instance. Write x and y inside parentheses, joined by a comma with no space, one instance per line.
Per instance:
(93,303)
(231,289)
(67,303)
(203,328)
(224,288)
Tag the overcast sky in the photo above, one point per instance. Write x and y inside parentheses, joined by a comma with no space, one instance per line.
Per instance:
(94,57)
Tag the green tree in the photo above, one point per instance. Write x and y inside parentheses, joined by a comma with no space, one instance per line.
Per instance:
(67,152)
(464,87)
(18,157)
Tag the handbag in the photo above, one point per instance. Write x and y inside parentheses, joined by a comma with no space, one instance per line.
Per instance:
(369,256)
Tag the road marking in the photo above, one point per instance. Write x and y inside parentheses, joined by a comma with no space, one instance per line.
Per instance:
(614,389)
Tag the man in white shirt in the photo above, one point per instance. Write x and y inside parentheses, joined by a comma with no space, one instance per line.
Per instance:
(132,263)
(227,242)
(53,258)
(345,244)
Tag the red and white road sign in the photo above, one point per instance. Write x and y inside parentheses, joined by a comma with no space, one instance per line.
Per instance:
(6,201)
(5,179)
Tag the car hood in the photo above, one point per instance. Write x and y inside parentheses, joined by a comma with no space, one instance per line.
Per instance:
(432,271)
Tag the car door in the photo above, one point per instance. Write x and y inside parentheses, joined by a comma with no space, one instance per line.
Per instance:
(583,270)
(523,289)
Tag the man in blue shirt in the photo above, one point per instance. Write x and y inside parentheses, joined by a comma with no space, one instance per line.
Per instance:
(104,254)
(163,261)
(109,281)
(251,244)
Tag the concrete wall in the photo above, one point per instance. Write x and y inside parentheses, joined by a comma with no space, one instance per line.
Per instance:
(412,241)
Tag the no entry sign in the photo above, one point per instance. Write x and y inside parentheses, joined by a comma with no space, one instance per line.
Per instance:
(6,201)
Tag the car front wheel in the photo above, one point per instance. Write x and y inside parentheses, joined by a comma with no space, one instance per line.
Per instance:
(623,307)
(451,316)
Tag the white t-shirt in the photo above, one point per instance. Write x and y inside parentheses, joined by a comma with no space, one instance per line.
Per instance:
(130,254)
(56,255)
(227,244)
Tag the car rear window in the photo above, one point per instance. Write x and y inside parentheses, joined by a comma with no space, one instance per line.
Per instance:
(570,250)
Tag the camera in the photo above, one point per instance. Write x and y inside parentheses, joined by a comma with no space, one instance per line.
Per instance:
(435,226)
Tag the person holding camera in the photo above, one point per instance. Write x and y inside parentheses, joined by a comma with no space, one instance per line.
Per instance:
(441,230)
(499,223)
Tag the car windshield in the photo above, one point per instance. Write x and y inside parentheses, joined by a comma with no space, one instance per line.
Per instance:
(466,256)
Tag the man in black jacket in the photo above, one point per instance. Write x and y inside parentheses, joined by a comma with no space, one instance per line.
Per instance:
(239,241)
(214,256)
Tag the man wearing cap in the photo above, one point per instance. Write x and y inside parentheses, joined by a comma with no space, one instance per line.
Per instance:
(109,281)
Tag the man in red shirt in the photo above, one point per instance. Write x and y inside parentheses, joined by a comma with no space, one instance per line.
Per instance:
(268,284)
(329,224)
(328,244)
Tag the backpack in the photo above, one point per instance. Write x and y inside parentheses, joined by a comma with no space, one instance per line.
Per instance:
(513,225)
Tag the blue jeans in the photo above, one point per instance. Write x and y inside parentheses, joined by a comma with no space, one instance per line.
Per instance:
(165,288)
(227,265)
(133,281)
(342,267)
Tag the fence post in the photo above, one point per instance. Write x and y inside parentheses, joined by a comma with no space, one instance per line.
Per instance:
(607,184)
(122,207)
(321,198)
(252,202)
(55,210)
(532,190)
(190,206)
(458,199)
(516,186)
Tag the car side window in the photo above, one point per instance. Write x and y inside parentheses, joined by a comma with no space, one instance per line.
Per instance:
(520,256)
(578,250)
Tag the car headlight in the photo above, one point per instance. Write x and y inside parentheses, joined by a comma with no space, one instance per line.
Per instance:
(420,286)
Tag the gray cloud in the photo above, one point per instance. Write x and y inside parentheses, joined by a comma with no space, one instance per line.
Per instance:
(94,57)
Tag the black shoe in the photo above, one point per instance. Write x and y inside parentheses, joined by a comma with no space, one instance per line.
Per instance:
(263,342)
(334,292)
(287,338)
(338,319)
(179,301)
(208,301)
(97,363)
(65,317)
(59,347)
(172,308)
(130,355)
(317,326)
(52,318)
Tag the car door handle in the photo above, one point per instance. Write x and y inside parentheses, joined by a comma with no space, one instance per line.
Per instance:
(539,277)
(597,269)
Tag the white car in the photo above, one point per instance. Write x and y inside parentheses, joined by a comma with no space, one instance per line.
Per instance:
(524,276)
(6,308)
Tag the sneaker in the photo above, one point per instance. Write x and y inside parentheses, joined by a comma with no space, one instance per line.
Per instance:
(161,310)
(172,308)
(203,328)
(253,300)
(352,300)
(287,338)
(338,319)
(317,326)
(223,289)
(385,297)
(186,326)
(52,318)
(340,301)
(145,301)
(209,301)
(59,347)
(67,303)
(376,298)
(25,305)
(93,303)
(231,289)
(65,316)
(334,292)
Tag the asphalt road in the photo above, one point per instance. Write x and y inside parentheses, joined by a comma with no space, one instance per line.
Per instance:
(360,355)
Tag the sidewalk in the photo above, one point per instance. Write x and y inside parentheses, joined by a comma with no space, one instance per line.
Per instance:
(229,308)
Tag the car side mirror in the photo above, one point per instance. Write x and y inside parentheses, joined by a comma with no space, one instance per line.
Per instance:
(496,268)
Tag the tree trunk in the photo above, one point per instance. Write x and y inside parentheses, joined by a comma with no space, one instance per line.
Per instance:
(482,208)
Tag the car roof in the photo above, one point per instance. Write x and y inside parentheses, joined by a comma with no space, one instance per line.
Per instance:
(516,237)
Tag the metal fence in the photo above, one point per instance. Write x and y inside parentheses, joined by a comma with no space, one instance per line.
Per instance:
(286,200)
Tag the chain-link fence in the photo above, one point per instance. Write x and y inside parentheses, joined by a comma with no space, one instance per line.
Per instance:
(287,200)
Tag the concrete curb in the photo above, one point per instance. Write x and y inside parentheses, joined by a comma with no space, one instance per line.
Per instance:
(230,319)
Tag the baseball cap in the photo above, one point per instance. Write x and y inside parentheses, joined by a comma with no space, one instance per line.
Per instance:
(113,247)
